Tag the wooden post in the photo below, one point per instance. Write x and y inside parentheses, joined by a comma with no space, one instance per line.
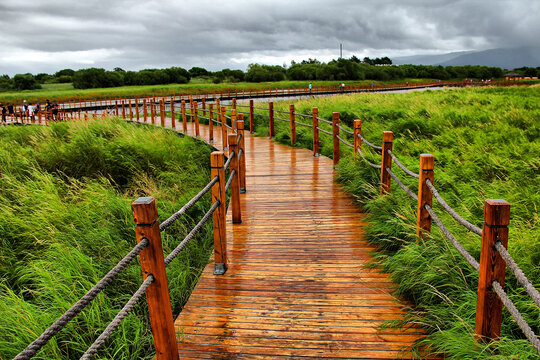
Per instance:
(271,119)
(357,134)
(251,117)
(235,183)
(423,219)
(130,111)
(223,128)
(152,263)
(293,124)
(211,123)
(234,104)
(184,120)
(162,112)
(123,110)
(145,111)
(241,146)
(233,119)
(388,138)
(217,160)
(116,107)
(203,106)
(137,109)
(492,268)
(173,116)
(335,140)
(196,116)
(315,121)
(152,112)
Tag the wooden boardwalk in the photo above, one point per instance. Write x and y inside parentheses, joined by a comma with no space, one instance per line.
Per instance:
(298,284)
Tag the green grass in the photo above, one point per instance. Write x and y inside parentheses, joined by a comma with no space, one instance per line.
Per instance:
(485,143)
(66,221)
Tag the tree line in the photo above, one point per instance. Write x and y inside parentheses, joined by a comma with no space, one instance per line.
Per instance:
(380,69)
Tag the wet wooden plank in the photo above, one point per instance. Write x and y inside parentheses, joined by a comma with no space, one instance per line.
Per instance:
(299,283)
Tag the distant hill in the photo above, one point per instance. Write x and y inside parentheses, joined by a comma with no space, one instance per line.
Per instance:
(508,58)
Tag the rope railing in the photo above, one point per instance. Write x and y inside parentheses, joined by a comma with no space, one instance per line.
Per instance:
(369,144)
(302,124)
(401,166)
(375,166)
(345,130)
(520,276)
(115,323)
(449,210)
(229,181)
(401,185)
(165,224)
(324,131)
(191,234)
(228,162)
(66,317)
(345,142)
(324,120)
(470,259)
(281,119)
(523,325)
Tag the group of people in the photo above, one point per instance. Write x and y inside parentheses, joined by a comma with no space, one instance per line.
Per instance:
(28,111)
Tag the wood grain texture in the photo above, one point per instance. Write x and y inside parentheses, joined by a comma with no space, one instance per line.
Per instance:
(299,283)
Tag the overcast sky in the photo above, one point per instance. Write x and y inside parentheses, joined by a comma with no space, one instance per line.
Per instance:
(49,35)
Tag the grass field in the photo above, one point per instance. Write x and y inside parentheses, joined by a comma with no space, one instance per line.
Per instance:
(64,92)
(67,220)
(486,145)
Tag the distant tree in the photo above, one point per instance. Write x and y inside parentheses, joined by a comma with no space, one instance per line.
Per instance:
(198,71)
(5,83)
(25,82)
(43,77)
(119,69)
(354,59)
(64,72)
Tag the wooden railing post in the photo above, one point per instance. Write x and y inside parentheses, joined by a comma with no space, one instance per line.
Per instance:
(137,116)
(492,268)
(162,112)
(145,111)
(130,110)
(423,219)
(335,134)
(388,138)
(203,106)
(173,117)
(271,119)
(233,119)
(115,107)
(293,124)
(211,123)
(234,104)
(251,117)
(235,183)
(152,263)
(123,110)
(223,128)
(315,121)
(217,160)
(184,116)
(196,116)
(152,112)
(242,147)
(357,134)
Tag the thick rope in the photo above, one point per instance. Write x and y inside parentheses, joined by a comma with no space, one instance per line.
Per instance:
(258,108)
(472,261)
(324,131)
(227,126)
(191,235)
(240,153)
(63,320)
(228,162)
(93,349)
(405,188)
(281,111)
(324,120)
(531,290)
(304,115)
(229,181)
(459,219)
(203,117)
(401,166)
(188,205)
(262,115)
(226,117)
(529,334)
(240,105)
(368,143)
(345,130)
(344,142)
(375,166)
(238,138)
(281,119)
(302,124)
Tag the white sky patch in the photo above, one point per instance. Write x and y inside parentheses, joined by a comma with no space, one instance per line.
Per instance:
(74,57)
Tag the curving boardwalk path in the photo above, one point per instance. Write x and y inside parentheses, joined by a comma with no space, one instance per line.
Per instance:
(298,285)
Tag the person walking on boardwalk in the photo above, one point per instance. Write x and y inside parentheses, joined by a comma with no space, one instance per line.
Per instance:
(11,111)
(310,87)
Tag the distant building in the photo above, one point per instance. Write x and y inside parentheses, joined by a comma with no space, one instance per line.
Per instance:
(517,76)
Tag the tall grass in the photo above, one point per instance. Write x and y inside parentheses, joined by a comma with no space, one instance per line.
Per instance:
(66,220)
(485,143)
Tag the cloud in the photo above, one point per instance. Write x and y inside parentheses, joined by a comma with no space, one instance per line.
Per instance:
(45,36)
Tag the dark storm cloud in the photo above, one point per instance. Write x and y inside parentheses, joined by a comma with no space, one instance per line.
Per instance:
(49,35)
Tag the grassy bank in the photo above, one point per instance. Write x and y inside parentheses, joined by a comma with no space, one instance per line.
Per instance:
(66,221)
(485,142)
(65,92)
